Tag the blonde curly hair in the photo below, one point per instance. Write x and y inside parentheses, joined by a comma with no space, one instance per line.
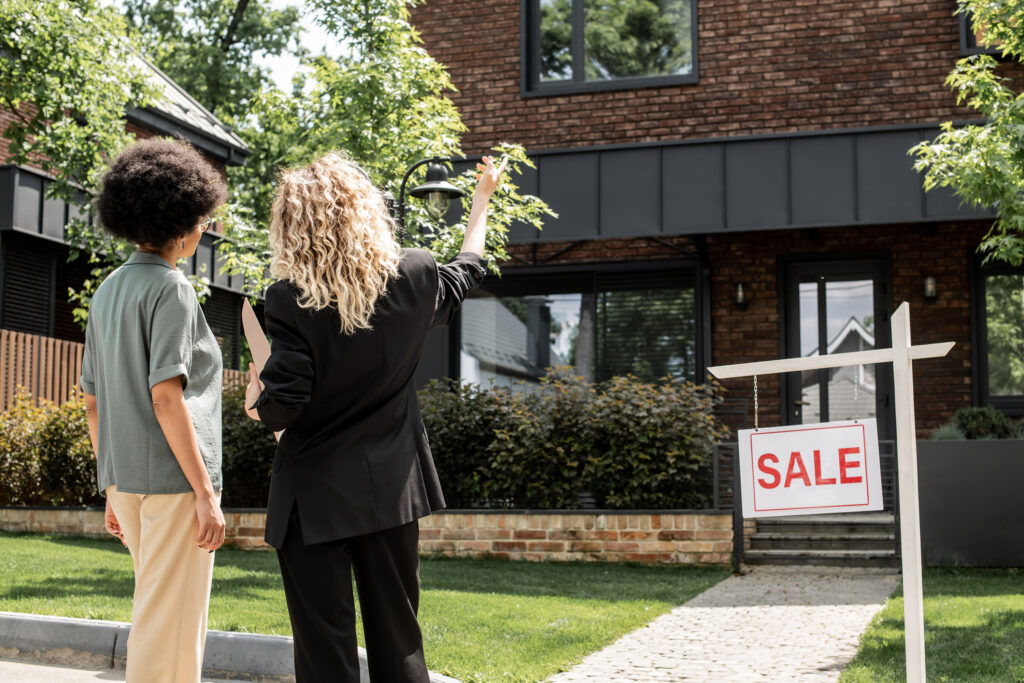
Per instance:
(332,236)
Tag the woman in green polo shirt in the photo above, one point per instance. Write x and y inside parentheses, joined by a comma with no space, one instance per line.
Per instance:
(152,381)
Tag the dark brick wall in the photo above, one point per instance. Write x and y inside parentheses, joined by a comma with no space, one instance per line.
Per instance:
(941,386)
(764,67)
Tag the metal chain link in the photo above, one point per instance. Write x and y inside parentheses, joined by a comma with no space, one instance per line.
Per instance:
(856,386)
(755,402)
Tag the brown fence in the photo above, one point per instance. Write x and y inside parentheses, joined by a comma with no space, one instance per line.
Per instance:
(50,368)
(47,368)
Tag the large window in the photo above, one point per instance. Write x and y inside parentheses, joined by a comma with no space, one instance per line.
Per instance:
(600,324)
(582,45)
(1000,310)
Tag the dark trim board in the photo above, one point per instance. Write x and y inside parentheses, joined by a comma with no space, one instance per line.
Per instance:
(773,182)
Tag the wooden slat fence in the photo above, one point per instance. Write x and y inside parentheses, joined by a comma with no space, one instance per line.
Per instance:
(50,368)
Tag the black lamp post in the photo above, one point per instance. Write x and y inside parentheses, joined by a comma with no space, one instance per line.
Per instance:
(436,189)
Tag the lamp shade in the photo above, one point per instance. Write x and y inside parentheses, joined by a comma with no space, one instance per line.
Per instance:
(436,181)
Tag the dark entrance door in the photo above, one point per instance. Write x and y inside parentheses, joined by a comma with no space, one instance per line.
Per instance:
(838,306)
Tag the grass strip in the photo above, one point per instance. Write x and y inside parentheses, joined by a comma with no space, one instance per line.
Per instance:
(482,620)
(973,630)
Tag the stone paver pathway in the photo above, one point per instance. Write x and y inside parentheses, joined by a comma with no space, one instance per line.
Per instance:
(773,624)
(20,671)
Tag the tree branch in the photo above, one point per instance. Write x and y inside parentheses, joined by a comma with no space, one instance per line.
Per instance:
(229,37)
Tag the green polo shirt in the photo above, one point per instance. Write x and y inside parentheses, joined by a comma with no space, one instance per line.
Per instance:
(146,326)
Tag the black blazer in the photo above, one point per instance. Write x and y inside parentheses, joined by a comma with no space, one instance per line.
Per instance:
(354,456)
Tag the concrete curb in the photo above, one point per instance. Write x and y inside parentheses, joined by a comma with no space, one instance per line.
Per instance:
(239,656)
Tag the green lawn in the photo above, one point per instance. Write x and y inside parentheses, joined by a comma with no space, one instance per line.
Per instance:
(974,630)
(482,620)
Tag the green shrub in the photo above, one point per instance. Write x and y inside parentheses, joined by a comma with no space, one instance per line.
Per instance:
(538,457)
(948,432)
(654,445)
(539,446)
(248,454)
(67,465)
(461,422)
(19,453)
(983,422)
(1018,429)
(45,454)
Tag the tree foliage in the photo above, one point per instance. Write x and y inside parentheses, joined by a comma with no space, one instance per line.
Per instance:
(72,71)
(210,47)
(67,74)
(984,163)
(621,38)
(384,103)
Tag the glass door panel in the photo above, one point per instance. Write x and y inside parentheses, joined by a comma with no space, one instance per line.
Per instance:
(835,307)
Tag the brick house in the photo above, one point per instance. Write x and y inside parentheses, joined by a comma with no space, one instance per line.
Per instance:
(35,273)
(740,192)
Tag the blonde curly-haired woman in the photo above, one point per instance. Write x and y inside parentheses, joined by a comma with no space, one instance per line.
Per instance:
(353,472)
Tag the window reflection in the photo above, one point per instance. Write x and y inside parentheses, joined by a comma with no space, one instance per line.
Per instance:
(1004,324)
(647,332)
(555,40)
(848,325)
(636,38)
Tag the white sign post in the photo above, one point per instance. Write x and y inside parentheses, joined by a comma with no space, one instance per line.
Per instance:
(901,356)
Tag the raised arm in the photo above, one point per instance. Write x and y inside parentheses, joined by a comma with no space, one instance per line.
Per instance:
(476,226)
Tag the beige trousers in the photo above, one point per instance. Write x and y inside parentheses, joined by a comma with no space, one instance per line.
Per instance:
(172,586)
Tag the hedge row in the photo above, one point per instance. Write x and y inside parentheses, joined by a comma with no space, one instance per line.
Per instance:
(624,444)
(46,457)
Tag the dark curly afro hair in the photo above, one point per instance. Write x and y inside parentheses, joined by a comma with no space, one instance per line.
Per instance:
(157,191)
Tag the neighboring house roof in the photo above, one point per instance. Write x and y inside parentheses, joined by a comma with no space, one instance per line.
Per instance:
(852,327)
(178,113)
(496,337)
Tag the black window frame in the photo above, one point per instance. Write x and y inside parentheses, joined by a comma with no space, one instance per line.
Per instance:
(529,51)
(1012,405)
(967,39)
(537,277)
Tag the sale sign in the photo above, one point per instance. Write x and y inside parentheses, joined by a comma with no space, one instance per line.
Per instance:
(810,469)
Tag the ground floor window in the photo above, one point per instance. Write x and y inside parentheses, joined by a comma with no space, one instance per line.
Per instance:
(602,324)
(1000,321)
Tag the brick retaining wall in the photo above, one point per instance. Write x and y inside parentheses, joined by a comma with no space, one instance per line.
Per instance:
(670,537)
(674,537)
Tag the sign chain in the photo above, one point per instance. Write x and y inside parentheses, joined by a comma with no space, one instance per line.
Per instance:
(755,402)
(856,385)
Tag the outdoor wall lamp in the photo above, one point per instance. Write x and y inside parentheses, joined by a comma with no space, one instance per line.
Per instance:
(930,292)
(741,300)
(436,189)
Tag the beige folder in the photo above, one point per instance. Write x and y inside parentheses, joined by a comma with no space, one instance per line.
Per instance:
(258,344)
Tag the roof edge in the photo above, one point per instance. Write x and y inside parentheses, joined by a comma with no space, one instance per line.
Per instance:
(163,123)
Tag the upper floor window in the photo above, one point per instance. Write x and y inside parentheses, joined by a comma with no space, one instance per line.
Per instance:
(972,37)
(585,45)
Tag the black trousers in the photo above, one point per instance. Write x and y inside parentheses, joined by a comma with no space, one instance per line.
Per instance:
(318,588)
